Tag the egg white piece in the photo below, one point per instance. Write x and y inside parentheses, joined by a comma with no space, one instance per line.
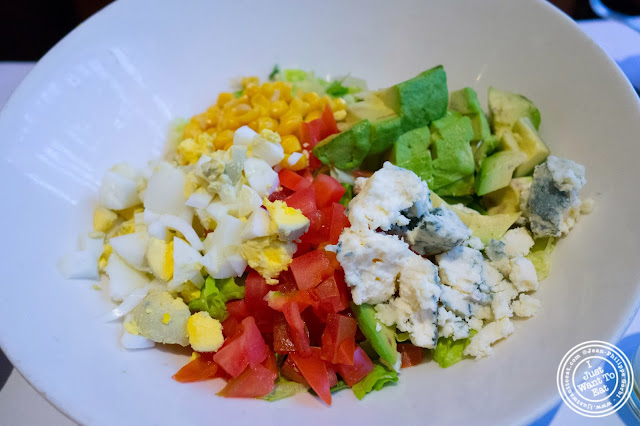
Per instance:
(83,264)
(222,241)
(244,136)
(158,230)
(269,152)
(165,192)
(131,248)
(180,225)
(118,192)
(237,262)
(247,201)
(256,226)
(127,305)
(234,167)
(217,264)
(200,199)
(132,341)
(218,209)
(187,263)
(123,279)
(261,176)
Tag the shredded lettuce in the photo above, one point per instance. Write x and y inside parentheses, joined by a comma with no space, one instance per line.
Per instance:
(237,93)
(375,380)
(348,194)
(284,389)
(274,72)
(336,89)
(294,76)
(214,296)
(449,351)
(540,256)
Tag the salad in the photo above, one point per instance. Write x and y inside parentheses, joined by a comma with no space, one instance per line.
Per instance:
(310,235)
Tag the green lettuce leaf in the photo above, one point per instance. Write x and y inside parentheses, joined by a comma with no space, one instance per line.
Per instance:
(214,296)
(274,72)
(449,351)
(237,93)
(540,256)
(284,389)
(294,76)
(229,289)
(338,387)
(375,380)
(348,194)
(336,89)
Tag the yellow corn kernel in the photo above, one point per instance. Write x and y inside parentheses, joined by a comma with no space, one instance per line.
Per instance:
(261,101)
(223,98)
(192,129)
(253,125)
(267,123)
(289,123)
(299,165)
(228,123)
(300,106)
(240,109)
(278,108)
(312,115)
(250,81)
(290,143)
(284,90)
(310,97)
(223,138)
(244,99)
(228,145)
(212,131)
(251,90)
(267,89)
(321,103)
(340,115)
(338,104)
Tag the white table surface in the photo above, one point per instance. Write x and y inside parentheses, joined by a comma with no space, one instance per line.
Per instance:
(20,404)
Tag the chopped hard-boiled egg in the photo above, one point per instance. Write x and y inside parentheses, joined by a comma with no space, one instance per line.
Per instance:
(266,147)
(287,222)
(161,318)
(160,257)
(258,225)
(205,333)
(123,278)
(187,262)
(104,219)
(189,291)
(132,248)
(83,264)
(165,192)
(261,176)
(268,256)
(119,188)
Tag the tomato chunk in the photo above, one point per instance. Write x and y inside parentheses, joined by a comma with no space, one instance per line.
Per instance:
(411,355)
(328,190)
(201,368)
(338,222)
(291,180)
(310,269)
(247,348)
(254,382)
(339,339)
(362,366)
(329,121)
(282,342)
(303,199)
(255,288)
(314,371)
(291,371)
(297,329)
(331,296)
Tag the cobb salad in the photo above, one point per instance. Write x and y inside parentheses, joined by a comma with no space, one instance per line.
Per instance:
(310,235)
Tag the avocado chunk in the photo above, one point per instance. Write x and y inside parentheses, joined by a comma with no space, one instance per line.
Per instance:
(465,101)
(384,133)
(459,188)
(530,143)
(451,149)
(508,142)
(383,341)
(483,149)
(507,199)
(486,227)
(505,108)
(411,151)
(419,100)
(346,150)
(497,170)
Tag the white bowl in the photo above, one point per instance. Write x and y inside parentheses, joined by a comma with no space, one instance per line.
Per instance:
(107,93)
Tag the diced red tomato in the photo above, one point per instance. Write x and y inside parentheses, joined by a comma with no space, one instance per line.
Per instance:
(282,342)
(310,269)
(315,326)
(238,309)
(329,121)
(270,362)
(338,339)
(312,132)
(411,355)
(328,190)
(303,248)
(303,199)
(297,329)
(201,368)
(291,371)
(331,369)
(278,301)
(279,195)
(246,348)
(362,366)
(318,231)
(264,318)
(254,382)
(230,326)
(255,288)
(314,371)
(286,282)
(338,222)
(292,180)
(331,296)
